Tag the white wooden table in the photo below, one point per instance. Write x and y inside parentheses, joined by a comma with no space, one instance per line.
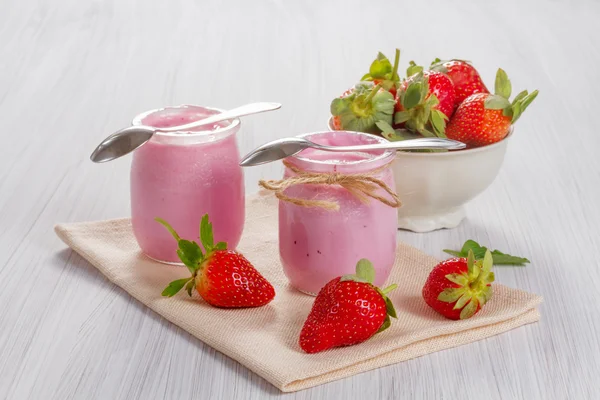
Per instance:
(72,71)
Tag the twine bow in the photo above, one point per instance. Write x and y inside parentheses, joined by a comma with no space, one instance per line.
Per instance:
(361,186)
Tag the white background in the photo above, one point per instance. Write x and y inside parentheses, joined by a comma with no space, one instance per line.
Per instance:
(73,71)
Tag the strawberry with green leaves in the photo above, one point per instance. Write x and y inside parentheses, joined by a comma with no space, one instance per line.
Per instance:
(464,77)
(363,108)
(484,118)
(348,310)
(458,287)
(382,72)
(425,102)
(223,278)
(498,257)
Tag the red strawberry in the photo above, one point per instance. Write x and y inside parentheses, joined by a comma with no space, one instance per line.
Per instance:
(381,72)
(463,75)
(223,278)
(425,102)
(457,288)
(484,119)
(441,86)
(359,111)
(348,310)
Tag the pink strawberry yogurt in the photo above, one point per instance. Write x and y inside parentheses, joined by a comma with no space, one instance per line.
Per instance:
(179,177)
(317,245)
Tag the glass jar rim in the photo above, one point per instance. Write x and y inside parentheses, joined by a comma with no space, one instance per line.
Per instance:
(362,164)
(137,120)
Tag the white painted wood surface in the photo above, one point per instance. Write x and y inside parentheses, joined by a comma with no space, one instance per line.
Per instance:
(72,71)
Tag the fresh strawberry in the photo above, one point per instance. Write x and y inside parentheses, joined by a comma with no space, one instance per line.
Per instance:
(337,123)
(348,310)
(381,72)
(425,102)
(223,278)
(458,287)
(484,119)
(463,75)
(363,108)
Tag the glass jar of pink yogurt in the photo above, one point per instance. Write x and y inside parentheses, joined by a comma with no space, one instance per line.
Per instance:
(316,244)
(180,176)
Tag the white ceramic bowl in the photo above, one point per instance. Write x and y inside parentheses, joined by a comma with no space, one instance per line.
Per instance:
(434,187)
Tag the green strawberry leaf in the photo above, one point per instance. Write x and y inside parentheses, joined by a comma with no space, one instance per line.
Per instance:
(453,253)
(221,246)
(503,87)
(500,258)
(389,308)
(469,309)
(401,117)
(190,254)
(386,129)
(384,101)
(365,270)
(462,301)
(514,112)
(426,132)
(488,263)
(438,122)
(479,251)
(380,67)
(524,103)
(386,324)
(495,102)
(438,65)
(339,105)
(527,100)
(413,69)
(450,295)
(175,287)
(473,266)
(190,286)
(366,106)
(395,135)
(206,234)
(433,101)
(519,97)
(424,89)
(412,96)
(459,279)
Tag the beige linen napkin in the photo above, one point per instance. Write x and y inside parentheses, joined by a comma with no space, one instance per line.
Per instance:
(265,339)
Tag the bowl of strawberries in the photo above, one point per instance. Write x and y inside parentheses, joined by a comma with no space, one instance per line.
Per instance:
(449,100)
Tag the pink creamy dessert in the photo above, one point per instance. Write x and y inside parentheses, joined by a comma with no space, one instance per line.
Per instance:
(179,177)
(317,245)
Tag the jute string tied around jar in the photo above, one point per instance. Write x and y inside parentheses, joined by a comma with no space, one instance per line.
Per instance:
(361,186)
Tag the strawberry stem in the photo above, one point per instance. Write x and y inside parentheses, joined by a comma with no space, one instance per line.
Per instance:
(373,93)
(396,64)
(169,228)
(389,289)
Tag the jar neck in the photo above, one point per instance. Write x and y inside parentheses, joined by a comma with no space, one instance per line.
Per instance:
(320,161)
(169,117)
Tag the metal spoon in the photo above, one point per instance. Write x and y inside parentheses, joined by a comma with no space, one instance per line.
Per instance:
(128,139)
(282,148)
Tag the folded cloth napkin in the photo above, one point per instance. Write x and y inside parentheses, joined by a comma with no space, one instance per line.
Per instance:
(265,339)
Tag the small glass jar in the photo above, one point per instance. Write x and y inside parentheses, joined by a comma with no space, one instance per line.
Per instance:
(180,176)
(316,244)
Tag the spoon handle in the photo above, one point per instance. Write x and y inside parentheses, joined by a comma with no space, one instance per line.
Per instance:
(410,144)
(253,108)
